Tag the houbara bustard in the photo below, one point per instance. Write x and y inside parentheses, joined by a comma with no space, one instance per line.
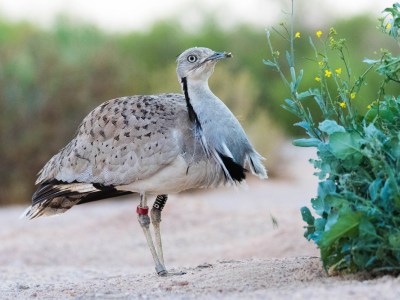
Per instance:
(151,145)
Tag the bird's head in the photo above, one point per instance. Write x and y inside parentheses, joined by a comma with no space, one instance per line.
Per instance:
(198,63)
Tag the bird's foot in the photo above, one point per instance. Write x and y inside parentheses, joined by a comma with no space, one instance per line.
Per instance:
(161,271)
(165,273)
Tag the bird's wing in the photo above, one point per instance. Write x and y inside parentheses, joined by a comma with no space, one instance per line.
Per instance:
(121,141)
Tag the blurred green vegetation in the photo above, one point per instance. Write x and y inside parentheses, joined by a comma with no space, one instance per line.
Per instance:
(50,79)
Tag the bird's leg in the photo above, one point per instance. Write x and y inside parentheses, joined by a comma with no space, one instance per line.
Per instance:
(155,215)
(144,221)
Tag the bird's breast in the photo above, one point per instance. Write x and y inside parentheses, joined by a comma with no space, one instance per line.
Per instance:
(178,176)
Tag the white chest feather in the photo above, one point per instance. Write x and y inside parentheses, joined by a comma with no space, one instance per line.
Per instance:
(179,176)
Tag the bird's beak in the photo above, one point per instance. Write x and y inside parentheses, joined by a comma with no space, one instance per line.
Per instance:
(218,55)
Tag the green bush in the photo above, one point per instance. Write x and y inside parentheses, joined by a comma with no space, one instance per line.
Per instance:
(357,227)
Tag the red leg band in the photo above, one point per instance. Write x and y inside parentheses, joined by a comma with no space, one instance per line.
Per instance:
(142,210)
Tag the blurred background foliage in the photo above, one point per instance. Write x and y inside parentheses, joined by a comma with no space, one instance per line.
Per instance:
(51,78)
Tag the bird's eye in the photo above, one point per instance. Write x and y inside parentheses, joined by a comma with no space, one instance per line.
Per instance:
(192,58)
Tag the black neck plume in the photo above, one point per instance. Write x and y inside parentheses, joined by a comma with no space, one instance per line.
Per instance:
(194,118)
(192,114)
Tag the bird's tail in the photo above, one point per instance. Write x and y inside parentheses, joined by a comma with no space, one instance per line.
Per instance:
(256,165)
(57,197)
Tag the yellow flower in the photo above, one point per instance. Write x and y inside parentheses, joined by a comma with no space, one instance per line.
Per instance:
(328,73)
(321,63)
(297,35)
(369,106)
(338,71)
(318,33)
(342,104)
(353,96)
(388,26)
(317,78)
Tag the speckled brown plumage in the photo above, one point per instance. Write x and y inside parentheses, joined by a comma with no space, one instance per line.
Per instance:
(121,141)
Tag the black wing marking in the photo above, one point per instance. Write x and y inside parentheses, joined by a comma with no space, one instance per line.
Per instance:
(56,196)
(236,171)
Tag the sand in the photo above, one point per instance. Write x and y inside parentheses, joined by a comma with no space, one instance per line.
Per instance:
(223,239)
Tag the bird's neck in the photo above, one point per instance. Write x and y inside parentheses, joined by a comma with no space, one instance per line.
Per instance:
(196,92)
(198,97)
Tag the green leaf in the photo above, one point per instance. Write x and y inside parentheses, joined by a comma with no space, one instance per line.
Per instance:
(320,224)
(307,216)
(346,226)
(290,106)
(371,115)
(331,220)
(290,109)
(293,74)
(374,188)
(392,147)
(303,95)
(367,230)
(311,142)
(289,59)
(319,99)
(345,144)
(371,61)
(303,124)
(318,205)
(325,188)
(269,63)
(336,202)
(390,194)
(300,77)
(372,132)
(386,114)
(394,240)
(330,127)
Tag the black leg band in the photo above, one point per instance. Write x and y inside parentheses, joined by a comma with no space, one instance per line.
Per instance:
(160,202)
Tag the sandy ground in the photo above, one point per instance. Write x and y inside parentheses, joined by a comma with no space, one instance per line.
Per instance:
(223,239)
